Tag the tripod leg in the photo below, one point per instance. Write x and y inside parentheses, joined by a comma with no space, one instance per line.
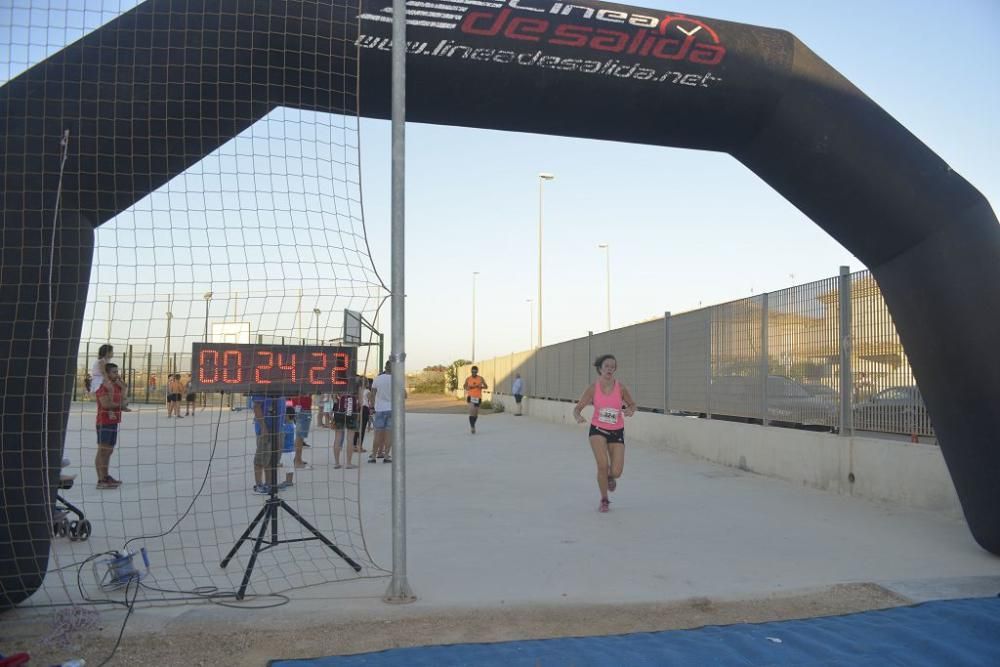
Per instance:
(244,536)
(271,509)
(320,536)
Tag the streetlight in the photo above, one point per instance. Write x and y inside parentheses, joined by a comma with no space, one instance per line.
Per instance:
(474,274)
(316,312)
(531,324)
(207,296)
(607,265)
(170,316)
(541,180)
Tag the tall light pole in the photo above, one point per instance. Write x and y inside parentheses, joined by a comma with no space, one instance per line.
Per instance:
(170,316)
(474,274)
(316,312)
(541,181)
(208,299)
(607,266)
(531,324)
(207,296)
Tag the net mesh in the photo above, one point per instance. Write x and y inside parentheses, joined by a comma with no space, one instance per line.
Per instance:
(261,241)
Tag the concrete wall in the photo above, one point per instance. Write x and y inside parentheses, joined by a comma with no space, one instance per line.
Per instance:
(908,474)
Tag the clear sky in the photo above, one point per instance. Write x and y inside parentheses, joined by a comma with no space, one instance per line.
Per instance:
(685,228)
(472,195)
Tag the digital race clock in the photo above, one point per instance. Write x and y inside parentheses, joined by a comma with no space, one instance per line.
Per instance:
(272,369)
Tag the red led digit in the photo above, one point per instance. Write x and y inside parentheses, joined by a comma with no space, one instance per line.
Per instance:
(289,366)
(226,356)
(203,358)
(339,373)
(313,370)
(257,377)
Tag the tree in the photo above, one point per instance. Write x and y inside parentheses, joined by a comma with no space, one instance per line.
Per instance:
(451,374)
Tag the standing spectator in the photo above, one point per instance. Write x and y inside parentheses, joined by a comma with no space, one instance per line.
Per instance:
(518,390)
(381,402)
(87,382)
(174,389)
(189,402)
(474,385)
(302,405)
(366,411)
(288,450)
(607,427)
(110,405)
(345,420)
(326,411)
(268,415)
(152,382)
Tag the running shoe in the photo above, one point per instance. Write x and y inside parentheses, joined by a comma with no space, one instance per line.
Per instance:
(262,489)
(284,485)
(337,466)
(350,466)
(612,483)
(605,506)
(387,459)
(371,459)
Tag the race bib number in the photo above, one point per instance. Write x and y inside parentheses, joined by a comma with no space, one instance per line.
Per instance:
(474,401)
(608,416)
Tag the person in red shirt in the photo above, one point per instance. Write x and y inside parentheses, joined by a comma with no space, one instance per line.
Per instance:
(110,405)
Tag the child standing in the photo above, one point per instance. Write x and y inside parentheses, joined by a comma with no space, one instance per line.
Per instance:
(288,449)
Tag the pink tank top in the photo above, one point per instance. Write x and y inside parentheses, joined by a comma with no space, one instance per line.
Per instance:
(608,408)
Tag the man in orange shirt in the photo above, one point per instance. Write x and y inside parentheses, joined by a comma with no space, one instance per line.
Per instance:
(474,385)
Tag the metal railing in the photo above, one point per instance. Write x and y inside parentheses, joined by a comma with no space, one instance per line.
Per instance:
(777,358)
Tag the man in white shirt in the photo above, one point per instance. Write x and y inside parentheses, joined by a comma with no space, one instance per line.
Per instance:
(518,390)
(381,402)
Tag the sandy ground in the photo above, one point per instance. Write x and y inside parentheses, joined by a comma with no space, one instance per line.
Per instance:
(183,643)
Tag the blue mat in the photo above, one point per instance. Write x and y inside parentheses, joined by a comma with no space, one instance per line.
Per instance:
(950,632)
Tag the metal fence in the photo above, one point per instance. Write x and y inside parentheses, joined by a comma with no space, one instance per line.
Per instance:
(824,355)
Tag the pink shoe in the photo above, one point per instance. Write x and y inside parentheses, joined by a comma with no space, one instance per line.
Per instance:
(605,506)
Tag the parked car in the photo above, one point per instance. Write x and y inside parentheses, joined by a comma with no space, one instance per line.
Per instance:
(894,410)
(788,403)
(822,391)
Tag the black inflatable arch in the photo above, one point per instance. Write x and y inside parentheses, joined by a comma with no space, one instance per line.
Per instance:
(149,94)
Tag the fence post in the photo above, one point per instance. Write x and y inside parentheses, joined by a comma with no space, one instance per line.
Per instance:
(590,350)
(666,362)
(762,362)
(149,371)
(846,374)
(708,362)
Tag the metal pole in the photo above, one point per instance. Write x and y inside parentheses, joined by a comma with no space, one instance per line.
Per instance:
(531,324)
(474,274)
(541,180)
(607,267)
(399,589)
(149,371)
(846,372)
(170,317)
(762,362)
(666,363)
